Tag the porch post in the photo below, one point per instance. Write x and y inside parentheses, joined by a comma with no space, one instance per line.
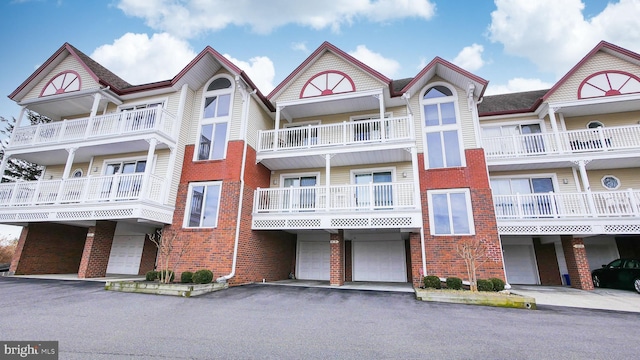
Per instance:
(147,168)
(327,180)
(277,128)
(3,165)
(582,164)
(96,102)
(556,133)
(577,263)
(383,134)
(67,166)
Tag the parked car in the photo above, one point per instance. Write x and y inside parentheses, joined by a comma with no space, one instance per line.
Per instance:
(619,274)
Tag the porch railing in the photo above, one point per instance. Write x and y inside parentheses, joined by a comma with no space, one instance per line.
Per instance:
(82,190)
(379,196)
(574,141)
(125,122)
(568,205)
(345,133)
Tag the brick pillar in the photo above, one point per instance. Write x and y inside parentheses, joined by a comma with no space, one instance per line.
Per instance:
(348,265)
(97,248)
(416,259)
(576,256)
(15,260)
(336,263)
(547,263)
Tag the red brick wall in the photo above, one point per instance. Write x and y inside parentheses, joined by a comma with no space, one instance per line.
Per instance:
(577,264)
(547,263)
(336,270)
(348,259)
(415,247)
(46,248)
(441,256)
(97,248)
(148,260)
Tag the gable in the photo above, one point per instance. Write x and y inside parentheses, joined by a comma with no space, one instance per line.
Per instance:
(71,66)
(599,63)
(334,67)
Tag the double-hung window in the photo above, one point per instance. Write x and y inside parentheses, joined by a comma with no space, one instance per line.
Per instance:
(216,112)
(441,126)
(203,204)
(450,212)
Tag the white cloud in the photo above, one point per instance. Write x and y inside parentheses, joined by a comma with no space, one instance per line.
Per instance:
(139,59)
(517,85)
(554,34)
(300,46)
(387,67)
(260,69)
(188,18)
(470,57)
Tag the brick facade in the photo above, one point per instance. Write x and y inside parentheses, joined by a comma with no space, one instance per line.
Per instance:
(97,248)
(577,264)
(348,261)
(547,263)
(441,256)
(46,248)
(415,247)
(149,253)
(336,267)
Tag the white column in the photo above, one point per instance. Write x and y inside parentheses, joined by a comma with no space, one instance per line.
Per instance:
(3,165)
(556,133)
(147,168)
(277,127)
(67,166)
(96,102)
(582,164)
(383,134)
(327,180)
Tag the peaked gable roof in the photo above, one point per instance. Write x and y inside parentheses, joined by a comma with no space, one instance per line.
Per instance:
(324,47)
(602,46)
(513,103)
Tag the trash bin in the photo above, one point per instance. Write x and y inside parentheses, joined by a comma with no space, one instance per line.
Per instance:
(567,281)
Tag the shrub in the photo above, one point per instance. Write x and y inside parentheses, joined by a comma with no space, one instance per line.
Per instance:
(431,281)
(454,283)
(151,275)
(498,284)
(168,274)
(186,277)
(202,277)
(485,285)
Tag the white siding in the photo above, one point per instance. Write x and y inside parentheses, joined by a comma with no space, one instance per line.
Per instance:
(69,63)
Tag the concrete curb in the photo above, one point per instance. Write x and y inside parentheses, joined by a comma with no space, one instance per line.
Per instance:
(477,298)
(184,290)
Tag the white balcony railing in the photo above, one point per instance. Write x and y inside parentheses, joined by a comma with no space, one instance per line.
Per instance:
(125,122)
(568,205)
(567,142)
(380,196)
(345,133)
(120,188)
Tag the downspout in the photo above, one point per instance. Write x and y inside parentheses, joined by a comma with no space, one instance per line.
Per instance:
(247,99)
(416,181)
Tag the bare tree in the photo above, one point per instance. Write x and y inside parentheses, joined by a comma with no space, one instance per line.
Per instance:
(18,169)
(474,254)
(166,243)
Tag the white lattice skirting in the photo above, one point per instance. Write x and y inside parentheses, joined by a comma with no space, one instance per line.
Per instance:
(344,222)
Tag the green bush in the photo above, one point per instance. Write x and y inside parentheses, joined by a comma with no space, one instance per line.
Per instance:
(202,277)
(498,284)
(431,281)
(454,283)
(151,275)
(485,285)
(186,277)
(168,274)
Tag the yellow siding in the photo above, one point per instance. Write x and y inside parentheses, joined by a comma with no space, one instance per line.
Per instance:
(629,178)
(258,120)
(339,118)
(54,172)
(184,132)
(599,62)
(560,174)
(69,63)
(329,61)
(609,120)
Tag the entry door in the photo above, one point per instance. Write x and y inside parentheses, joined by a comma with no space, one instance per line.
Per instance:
(382,190)
(520,264)
(127,186)
(297,197)
(534,205)
(313,260)
(126,252)
(379,261)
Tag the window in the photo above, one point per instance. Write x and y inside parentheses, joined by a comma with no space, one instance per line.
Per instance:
(141,119)
(300,192)
(450,212)
(610,182)
(443,145)
(122,181)
(513,138)
(216,112)
(516,197)
(77,173)
(375,189)
(203,202)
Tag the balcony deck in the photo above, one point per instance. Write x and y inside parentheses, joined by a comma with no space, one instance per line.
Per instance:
(124,196)
(384,205)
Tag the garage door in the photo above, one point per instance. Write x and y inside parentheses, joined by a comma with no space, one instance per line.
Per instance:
(520,264)
(379,261)
(126,252)
(313,260)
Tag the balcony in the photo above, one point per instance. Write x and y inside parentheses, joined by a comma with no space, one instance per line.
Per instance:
(144,121)
(613,212)
(91,198)
(381,205)
(592,141)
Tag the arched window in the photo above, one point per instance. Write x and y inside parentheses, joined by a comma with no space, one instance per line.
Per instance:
(214,123)
(441,127)
(327,83)
(608,83)
(64,82)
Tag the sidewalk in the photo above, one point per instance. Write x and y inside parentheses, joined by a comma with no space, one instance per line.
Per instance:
(603,299)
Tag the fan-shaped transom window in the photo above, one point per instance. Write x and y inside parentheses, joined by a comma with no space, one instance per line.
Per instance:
(327,83)
(62,83)
(437,92)
(609,83)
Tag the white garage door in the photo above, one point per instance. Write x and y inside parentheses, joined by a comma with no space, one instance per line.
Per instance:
(379,261)
(313,260)
(520,264)
(126,252)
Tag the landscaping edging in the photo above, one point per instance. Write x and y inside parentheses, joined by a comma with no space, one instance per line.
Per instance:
(477,298)
(184,290)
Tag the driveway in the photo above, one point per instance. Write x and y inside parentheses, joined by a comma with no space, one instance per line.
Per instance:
(280,322)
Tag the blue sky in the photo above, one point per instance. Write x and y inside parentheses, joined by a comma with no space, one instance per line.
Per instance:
(517,45)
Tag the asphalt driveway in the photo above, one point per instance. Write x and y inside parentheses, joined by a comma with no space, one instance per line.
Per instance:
(278,322)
